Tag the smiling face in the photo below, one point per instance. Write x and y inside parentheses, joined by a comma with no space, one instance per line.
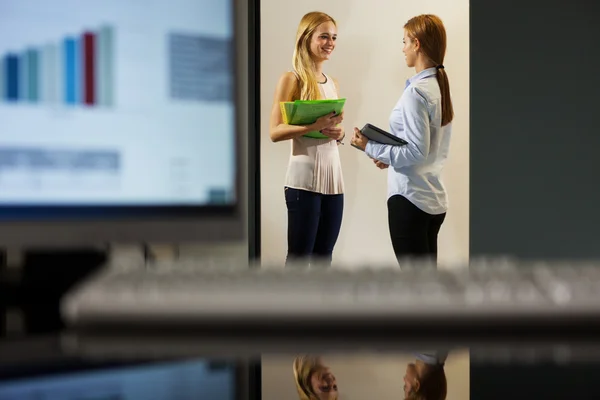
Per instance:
(323,41)
(314,379)
(409,50)
(323,383)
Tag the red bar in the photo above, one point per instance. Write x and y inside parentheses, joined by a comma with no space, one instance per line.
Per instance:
(89,44)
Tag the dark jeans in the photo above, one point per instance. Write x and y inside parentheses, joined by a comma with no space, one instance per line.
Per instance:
(414,232)
(314,222)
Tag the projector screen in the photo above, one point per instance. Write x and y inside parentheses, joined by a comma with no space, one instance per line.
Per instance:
(117,103)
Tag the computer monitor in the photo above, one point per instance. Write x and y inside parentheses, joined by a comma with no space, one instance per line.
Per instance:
(122,121)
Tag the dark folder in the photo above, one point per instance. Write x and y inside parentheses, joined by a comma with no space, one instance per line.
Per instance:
(380,136)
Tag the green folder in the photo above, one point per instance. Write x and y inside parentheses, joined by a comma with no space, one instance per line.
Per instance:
(304,112)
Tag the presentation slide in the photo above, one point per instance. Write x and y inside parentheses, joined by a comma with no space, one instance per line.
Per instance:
(117,103)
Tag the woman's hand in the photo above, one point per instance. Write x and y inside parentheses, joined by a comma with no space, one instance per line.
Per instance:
(327,121)
(359,140)
(379,164)
(335,132)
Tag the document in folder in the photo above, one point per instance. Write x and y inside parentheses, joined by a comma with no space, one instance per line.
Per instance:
(303,112)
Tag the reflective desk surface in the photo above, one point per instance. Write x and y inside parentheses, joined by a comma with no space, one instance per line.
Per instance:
(360,369)
(261,365)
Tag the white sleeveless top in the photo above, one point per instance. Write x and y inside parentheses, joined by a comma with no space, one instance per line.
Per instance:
(315,163)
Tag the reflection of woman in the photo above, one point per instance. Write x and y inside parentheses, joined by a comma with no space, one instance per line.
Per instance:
(423,116)
(425,379)
(314,380)
(314,185)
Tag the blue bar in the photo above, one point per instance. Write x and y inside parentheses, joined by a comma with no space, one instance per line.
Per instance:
(12,77)
(78,70)
(33,72)
(3,75)
(51,80)
(23,76)
(70,52)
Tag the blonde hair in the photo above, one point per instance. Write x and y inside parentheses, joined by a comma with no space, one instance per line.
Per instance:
(429,30)
(304,367)
(302,61)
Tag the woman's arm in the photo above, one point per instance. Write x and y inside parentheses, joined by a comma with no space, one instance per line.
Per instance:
(283,92)
(413,117)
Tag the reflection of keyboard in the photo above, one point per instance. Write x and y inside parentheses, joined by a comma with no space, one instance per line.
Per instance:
(182,292)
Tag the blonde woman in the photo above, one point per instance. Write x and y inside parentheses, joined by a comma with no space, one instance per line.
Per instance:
(314,380)
(314,185)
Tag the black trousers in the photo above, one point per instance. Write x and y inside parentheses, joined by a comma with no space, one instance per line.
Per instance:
(314,223)
(414,232)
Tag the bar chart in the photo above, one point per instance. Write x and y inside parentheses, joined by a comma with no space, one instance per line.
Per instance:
(77,70)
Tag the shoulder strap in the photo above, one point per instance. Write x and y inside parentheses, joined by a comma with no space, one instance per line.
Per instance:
(331,84)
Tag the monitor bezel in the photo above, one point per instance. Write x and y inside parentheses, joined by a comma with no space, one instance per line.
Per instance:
(76,226)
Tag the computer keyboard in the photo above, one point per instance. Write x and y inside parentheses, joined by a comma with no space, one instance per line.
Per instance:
(198,292)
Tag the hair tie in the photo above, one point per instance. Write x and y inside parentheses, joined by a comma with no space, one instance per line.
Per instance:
(441,66)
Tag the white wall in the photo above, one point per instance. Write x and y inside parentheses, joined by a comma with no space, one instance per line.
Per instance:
(363,376)
(370,68)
